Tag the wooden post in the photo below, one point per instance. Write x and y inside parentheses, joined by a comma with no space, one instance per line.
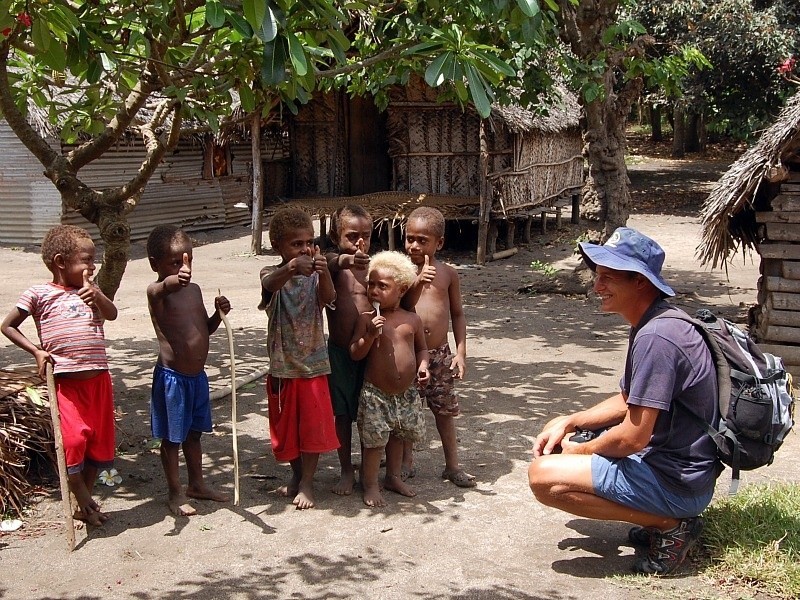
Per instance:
(491,238)
(63,480)
(511,226)
(544,222)
(257,216)
(527,235)
(485,212)
(558,217)
(576,209)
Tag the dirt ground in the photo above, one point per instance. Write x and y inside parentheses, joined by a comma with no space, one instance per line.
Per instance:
(530,356)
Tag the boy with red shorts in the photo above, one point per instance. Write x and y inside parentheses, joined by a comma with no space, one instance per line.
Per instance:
(69,313)
(301,419)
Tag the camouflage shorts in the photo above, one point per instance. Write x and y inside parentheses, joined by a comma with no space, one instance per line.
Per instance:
(439,393)
(381,414)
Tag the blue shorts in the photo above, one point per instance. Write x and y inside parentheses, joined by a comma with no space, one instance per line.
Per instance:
(178,404)
(631,482)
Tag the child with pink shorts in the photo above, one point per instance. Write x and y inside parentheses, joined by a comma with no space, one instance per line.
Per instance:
(301,421)
(69,313)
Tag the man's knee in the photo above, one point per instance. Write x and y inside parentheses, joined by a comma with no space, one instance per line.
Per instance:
(554,475)
(539,478)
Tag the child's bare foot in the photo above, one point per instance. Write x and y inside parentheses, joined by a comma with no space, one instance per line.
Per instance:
(408,472)
(373,497)
(91,514)
(395,483)
(180,507)
(346,483)
(304,498)
(290,489)
(206,493)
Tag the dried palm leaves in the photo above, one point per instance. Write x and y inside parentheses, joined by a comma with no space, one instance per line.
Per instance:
(25,430)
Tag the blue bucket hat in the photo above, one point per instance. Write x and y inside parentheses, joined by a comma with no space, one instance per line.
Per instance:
(628,250)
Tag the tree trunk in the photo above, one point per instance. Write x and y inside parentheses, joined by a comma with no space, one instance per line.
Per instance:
(257,203)
(656,135)
(692,133)
(608,200)
(678,131)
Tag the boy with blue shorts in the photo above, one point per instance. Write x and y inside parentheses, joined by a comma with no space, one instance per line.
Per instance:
(179,407)
(653,466)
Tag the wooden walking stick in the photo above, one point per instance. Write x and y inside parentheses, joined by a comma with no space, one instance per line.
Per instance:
(233,408)
(63,481)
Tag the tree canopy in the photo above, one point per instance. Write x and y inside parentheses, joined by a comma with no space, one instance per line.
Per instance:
(100,68)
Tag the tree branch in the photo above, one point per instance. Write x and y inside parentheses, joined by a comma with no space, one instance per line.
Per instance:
(156,149)
(17,121)
(367,62)
(94,148)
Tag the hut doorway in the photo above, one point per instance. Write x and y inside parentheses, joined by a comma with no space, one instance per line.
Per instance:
(368,152)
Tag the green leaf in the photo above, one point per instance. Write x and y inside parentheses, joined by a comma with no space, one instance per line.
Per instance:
(269,26)
(552,5)
(478,91)
(241,25)
(254,12)
(273,69)
(529,7)
(35,396)
(215,13)
(41,34)
(56,56)
(496,63)
(94,72)
(297,55)
(433,74)
(247,98)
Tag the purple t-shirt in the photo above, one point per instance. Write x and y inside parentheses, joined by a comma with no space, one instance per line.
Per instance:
(669,360)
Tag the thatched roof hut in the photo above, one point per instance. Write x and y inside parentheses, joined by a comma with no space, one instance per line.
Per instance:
(756,206)
(728,215)
(423,151)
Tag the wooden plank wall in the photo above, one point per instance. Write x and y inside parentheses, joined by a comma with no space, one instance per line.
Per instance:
(778,325)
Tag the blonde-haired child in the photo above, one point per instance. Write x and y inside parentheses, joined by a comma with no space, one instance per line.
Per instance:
(393,342)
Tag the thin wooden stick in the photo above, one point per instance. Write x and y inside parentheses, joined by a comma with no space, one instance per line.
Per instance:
(233,409)
(63,481)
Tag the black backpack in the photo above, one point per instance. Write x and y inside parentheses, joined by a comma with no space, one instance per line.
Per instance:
(756,399)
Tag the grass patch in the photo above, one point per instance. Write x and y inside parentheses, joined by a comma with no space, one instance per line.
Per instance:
(543,267)
(754,538)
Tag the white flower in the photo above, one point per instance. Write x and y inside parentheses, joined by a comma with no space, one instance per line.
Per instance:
(110,478)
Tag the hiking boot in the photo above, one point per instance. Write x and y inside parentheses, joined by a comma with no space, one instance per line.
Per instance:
(669,548)
(641,536)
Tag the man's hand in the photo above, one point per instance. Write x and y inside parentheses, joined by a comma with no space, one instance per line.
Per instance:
(552,437)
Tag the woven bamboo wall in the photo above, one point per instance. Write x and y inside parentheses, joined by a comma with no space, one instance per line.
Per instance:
(434,150)
(549,165)
(318,154)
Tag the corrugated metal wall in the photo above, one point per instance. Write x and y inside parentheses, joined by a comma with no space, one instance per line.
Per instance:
(29,203)
(176,193)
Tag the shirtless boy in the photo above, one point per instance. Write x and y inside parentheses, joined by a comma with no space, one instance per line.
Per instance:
(179,406)
(436,297)
(351,229)
(393,341)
